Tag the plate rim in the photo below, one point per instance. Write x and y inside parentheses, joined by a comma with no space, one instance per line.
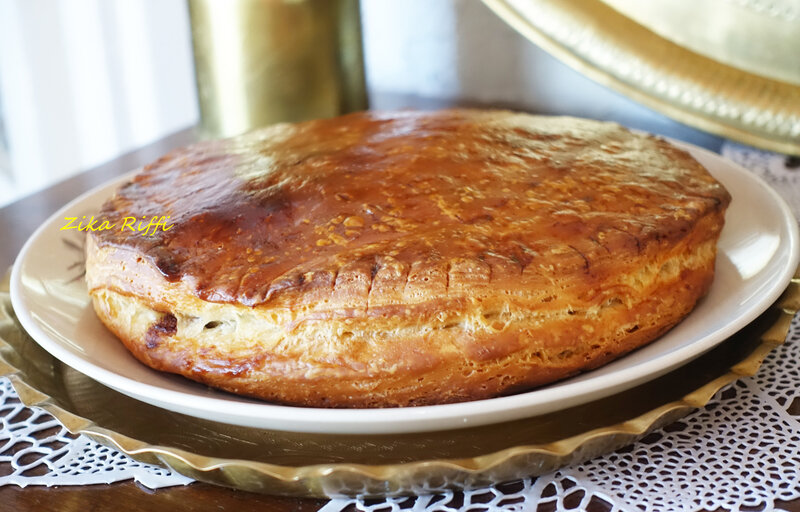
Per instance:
(412,419)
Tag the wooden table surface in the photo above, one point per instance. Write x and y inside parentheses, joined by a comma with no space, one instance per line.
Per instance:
(18,220)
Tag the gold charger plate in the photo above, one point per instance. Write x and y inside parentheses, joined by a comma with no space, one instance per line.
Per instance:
(692,61)
(301,464)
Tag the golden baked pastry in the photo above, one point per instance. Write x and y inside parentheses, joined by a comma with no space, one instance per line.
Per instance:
(395,259)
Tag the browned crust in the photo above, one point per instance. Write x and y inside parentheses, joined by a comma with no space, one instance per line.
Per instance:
(403,259)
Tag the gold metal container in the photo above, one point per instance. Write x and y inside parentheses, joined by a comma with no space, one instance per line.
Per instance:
(259,62)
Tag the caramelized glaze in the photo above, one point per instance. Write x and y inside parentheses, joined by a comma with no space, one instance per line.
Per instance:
(418,200)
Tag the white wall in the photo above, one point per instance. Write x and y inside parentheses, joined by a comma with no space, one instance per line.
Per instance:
(82,81)
(459,48)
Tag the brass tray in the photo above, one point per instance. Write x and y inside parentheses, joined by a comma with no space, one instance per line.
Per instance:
(301,464)
(692,61)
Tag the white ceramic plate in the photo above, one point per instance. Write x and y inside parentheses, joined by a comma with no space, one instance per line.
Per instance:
(758,253)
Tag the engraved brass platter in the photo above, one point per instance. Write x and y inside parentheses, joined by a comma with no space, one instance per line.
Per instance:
(730,67)
(302,464)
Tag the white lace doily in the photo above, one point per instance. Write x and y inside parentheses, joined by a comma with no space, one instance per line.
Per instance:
(740,452)
(37,450)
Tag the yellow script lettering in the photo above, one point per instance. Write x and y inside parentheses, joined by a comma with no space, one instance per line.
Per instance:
(69,223)
(127,222)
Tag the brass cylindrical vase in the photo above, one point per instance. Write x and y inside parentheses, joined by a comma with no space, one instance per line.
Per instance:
(258,62)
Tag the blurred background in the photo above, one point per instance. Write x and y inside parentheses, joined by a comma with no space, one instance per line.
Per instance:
(83,81)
